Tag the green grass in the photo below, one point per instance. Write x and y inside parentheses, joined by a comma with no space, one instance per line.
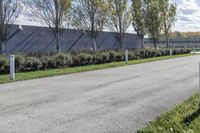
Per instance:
(69,70)
(185,118)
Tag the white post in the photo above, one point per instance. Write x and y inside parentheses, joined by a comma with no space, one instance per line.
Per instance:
(126,56)
(199,76)
(12,67)
(199,86)
(171,51)
(194,50)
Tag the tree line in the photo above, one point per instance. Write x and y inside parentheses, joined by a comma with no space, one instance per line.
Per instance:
(148,17)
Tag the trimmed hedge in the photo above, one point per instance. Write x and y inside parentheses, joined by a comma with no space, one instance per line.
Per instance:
(61,60)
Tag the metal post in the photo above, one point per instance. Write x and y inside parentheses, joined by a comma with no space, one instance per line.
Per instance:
(12,67)
(171,51)
(126,56)
(199,86)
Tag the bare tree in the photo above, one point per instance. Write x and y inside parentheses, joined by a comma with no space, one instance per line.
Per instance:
(90,16)
(53,14)
(120,19)
(9,11)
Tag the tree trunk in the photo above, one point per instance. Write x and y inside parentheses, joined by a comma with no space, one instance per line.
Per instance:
(155,43)
(57,43)
(167,40)
(1,52)
(142,42)
(94,44)
(2,48)
(121,42)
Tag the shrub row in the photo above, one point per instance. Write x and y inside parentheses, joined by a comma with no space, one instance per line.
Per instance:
(61,60)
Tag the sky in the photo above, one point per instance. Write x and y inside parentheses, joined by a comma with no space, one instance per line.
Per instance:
(188,16)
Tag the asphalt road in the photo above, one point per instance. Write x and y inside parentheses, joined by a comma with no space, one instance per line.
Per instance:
(117,100)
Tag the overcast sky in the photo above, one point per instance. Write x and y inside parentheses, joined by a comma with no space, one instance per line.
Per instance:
(188,16)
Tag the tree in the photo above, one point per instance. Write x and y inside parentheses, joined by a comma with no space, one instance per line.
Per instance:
(53,14)
(90,16)
(169,17)
(9,11)
(138,12)
(154,19)
(120,19)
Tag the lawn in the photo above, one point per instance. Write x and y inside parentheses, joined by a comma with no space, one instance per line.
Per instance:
(69,70)
(185,118)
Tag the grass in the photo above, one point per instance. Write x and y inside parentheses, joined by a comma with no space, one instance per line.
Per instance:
(185,118)
(69,70)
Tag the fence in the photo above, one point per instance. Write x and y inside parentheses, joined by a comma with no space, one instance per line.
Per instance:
(40,39)
(176,42)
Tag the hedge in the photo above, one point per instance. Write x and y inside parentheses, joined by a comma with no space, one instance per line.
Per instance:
(62,60)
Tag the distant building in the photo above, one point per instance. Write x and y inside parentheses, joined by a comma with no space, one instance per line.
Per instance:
(40,39)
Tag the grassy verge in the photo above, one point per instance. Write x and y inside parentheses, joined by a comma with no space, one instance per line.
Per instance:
(185,118)
(55,72)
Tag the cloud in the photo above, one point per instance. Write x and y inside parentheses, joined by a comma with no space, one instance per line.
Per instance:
(188,14)
(186,19)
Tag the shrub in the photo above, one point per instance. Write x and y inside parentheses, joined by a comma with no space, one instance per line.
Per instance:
(90,59)
(98,59)
(188,51)
(105,57)
(158,53)
(3,61)
(19,62)
(45,62)
(102,57)
(142,53)
(112,55)
(163,52)
(131,55)
(32,63)
(120,56)
(62,60)
(82,59)
(4,65)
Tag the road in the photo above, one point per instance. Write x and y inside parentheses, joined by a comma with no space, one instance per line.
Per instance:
(116,100)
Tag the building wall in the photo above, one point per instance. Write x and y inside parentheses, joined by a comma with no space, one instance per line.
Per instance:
(40,39)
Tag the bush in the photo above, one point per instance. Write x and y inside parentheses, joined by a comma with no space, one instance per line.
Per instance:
(45,62)
(4,65)
(82,59)
(112,55)
(103,57)
(163,52)
(3,61)
(32,63)
(120,56)
(142,53)
(62,60)
(98,58)
(188,51)
(131,55)
(19,62)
